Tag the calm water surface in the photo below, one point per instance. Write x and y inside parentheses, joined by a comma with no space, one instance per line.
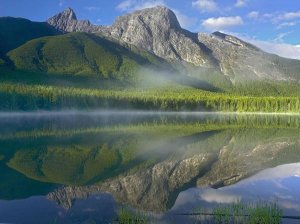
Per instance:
(85,167)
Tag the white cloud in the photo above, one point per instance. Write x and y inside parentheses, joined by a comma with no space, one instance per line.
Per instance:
(149,4)
(240,3)
(222,22)
(280,37)
(277,173)
(289,16)
(286,24)
(290,205)
(125,5)
(253,15)
(268,15)
(218,196)
(98,21)
(281,49)
(184,20)
(131,5)
(205,5)
(284,17)
(61,3)
(92,8)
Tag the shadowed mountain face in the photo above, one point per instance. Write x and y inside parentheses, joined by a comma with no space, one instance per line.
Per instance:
(160,32)
(17,31)
(79,54)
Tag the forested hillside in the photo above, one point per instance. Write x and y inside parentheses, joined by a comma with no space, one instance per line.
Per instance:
(78,54)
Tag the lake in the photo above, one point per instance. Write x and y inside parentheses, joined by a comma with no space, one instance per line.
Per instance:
(77,167)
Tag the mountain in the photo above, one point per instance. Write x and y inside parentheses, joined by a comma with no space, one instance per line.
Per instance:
(79,54)
(16,31)
(241,61)
(160,33)
(66,21)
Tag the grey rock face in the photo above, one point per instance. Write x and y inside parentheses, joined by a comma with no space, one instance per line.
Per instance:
(66,21)
(158,31)
(240,60)
(155,29)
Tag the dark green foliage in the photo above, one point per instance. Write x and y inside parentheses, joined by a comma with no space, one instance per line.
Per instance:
(26,97)
(84,163)
(265,88)
(262,213)
(78,54)
(2,62)
(126,216)
(16,31)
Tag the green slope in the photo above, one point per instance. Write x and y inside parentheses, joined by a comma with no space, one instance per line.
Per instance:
(16,31)
(78,54)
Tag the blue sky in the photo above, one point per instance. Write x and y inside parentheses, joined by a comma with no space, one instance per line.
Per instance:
(273,25)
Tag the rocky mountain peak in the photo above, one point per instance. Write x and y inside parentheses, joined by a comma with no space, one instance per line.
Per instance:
(233,40)
(63,20)
(69,14)
(66,16)
(66,21)
(153,29)
(158,31)
(158,16)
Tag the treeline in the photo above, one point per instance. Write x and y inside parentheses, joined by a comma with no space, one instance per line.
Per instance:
(35,97)
(265,88)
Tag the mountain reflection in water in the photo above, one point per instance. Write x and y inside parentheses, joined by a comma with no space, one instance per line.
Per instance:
(162,163)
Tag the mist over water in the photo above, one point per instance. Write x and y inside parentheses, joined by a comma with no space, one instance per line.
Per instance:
(159,163)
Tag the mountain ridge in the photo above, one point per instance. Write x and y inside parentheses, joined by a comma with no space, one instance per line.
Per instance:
(216,57)
(161,34)
(158,28)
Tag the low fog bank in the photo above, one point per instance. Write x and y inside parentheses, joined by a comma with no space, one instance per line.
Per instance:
(133,113)
(184,76)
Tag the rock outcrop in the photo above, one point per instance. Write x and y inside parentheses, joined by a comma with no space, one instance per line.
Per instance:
(240,60)
(158,30)
(66,21)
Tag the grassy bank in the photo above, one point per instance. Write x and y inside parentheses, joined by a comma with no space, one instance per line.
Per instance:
(261,212)
(237,213)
